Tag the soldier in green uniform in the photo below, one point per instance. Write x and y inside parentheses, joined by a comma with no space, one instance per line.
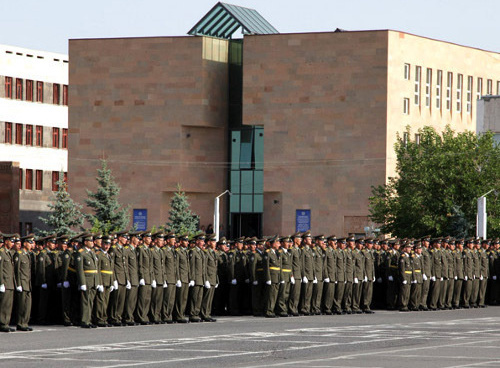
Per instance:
(120,272)
(468,259)
(341,276)
(436,273)
(369,262)
(132,287)
(63,263)
(417,277)
(197,276)
(451,274)
(307,260)
(105,266)
(349,274)
(237,271)
(286,258)
(319,260)
(405,277)
(477,274)
(87,271)
(184,276)
(221,296)
(484,274)
(359,275)
(329,275)
(211,282)
(170,277)
(272,272)
(459,272)
(158,276)
(46,278)
(22,277)
(146,278)
(494,261)
(426,272)
(256,272)
(7,281)
(296,277)
(392,266)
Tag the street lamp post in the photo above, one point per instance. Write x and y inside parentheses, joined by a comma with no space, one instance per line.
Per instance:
(217,215)
(481,215)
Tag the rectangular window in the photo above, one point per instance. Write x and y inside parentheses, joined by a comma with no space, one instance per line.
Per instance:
(29,90)
(39,136)
(39,180)
(29,179)
(65,95)
(449,84)
(479,92)
(417,138)
(39,91)
(489,87)
(19,89)
(498,87)
(20,178)
(55,137)
(469,94)
(65,177)
(55,179)
(29,135)
(19,133)
(407,72)
(428,85)
(8,133)
(406,106)
(65,138)
(459,92)
(56,93)
(418,71)
(439,83)
(8,87)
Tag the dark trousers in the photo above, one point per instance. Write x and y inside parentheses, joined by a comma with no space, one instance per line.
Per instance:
(101,306)
(23,300)
(206,303)
(143,303)
(294,299)
(156,303)
(117,304)
(339,296)
(181,298)
(87,304)
(168,302)
(130,304)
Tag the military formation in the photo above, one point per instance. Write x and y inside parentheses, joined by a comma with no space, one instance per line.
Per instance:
(132,278)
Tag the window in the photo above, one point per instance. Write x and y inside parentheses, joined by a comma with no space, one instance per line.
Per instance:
(417,138)
(449,84)
(418,71)
(19,133)
(39,136)
(469,94)
(8,133)
(8,87)
(29,90)
(65,95)
(20,178)
(489,87)
(407,72)
(405,138)
(39,180)
(29,179)
(479,92)
(39,91)
(498,87)
(19,89)
(55,137)
(55,179)
(28,228)
(428,84)
(459,92)
(65,177)
(65,138)
(439,82)
(56,93)
(406,106)
(29,135)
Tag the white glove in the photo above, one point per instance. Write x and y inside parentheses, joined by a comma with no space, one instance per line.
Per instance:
(356,280)
(100,288)
(83,287)
(129,285)
(305,280)
(153,284)
(2,288)
(44,286)
(315,281)
(414,282)
(115,284)
(234,282)
(365,279)
(19,288)
(66,284)
(292,280)
(456,277)
(336,282)
(424,276)
(379,280)
(373,279)
(282,281)
(268,282)
(390,278)
(178,283)
(111,288)
(441,279)
(255,282)
(494,277)
(433,278)
(142,282)
(465,278)
(247,281)
(165,285)
(207,284)
(59,285)
(327,280)
(481,278)
(191,283)
(216,286)
(405,282)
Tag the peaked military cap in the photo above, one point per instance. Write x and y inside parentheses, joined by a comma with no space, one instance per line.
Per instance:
(222,240)
(12,237)
(286,239)
(298,234)
(200,236)
(28,238)
(147,234)
(307,234)
(350,238)
(97,236)
(332,238)
(341,240)
(211,237)
(107,239)
(63,239)
(159,235)
(184,236)
(170,235)
(87,237)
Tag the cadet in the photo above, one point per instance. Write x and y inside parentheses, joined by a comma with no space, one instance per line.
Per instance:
(132,286)
(367,293)
(319,260)
(272,271)
(221,297)
(46,278)
(477,274)
(158,276)
(146,278)
(296,277)
(182,284)
(105,266)
(286,258)
(329,275)
(417,278)
(359,275)
(341,277)
(349,275)
(64,260)
(484,275)
(197,276)
(237,275)
(22,277)
(120,272)
(459,271)
(427,272)
(7,282)
(256,274)
(392,262)
(468,259)
(405,275)
(170,278)
(211,282)
(436,272)
(307,261)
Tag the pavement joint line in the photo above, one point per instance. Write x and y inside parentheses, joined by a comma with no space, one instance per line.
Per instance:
(473,364)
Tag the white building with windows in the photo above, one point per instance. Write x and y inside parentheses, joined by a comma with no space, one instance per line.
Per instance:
(34,125)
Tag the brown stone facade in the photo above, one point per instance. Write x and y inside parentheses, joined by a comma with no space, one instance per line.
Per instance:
(9,197)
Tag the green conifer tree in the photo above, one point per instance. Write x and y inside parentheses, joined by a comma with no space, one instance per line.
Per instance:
(182,220)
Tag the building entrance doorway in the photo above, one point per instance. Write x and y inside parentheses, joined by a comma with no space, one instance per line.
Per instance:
(246,224)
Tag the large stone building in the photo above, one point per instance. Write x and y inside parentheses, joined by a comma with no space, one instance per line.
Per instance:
(298,126)
(33,132)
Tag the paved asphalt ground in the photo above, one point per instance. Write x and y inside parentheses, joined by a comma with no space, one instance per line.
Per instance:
(459,339)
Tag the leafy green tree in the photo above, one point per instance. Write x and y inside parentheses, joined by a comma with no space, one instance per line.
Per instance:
(437,185)
(182,220)
(65,214)
(109,215)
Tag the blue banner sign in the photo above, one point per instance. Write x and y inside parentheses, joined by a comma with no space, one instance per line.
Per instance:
(140,219)
(302,220)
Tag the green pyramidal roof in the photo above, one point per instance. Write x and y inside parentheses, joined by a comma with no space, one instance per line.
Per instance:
(224,19)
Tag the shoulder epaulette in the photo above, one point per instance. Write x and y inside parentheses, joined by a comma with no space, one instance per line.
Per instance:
(20,251)
(81,250)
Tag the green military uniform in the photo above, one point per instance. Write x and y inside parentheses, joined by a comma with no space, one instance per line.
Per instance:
(416,281)
(317,292)
(213,283)
(7,283)
(170,278)
(63,261)
(437,276)
(256,272)
(468,259)
(483,277)
(197,278)
(22,277)
(132,286)
(329,279)
(392,278)
(221,297)
(272,271)
(477,276)
(459,272)
(286,259)
(349,279)
(105,266)
(426,275)
(307,267)
(146,279)
(341,278)
(237,274)
(46,279)
(159,277)
(367,293)
(405,277)
(120,272)
(294,299)
(87,271)
(182,292)
(359,277)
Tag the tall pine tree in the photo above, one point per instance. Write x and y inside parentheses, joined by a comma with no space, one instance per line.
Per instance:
(182,220)
(65,215)
(108,213)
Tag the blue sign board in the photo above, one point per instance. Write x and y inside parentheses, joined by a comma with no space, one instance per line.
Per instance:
(302,220)
(140,219)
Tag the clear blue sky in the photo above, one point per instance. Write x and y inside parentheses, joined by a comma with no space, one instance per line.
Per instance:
(48,24)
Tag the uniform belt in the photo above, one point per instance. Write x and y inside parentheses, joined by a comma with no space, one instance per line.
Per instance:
(286,270)
(90,271)
(408,272)
(107,272)
(393,266)
(274,268)
(418,270)
(71,269)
